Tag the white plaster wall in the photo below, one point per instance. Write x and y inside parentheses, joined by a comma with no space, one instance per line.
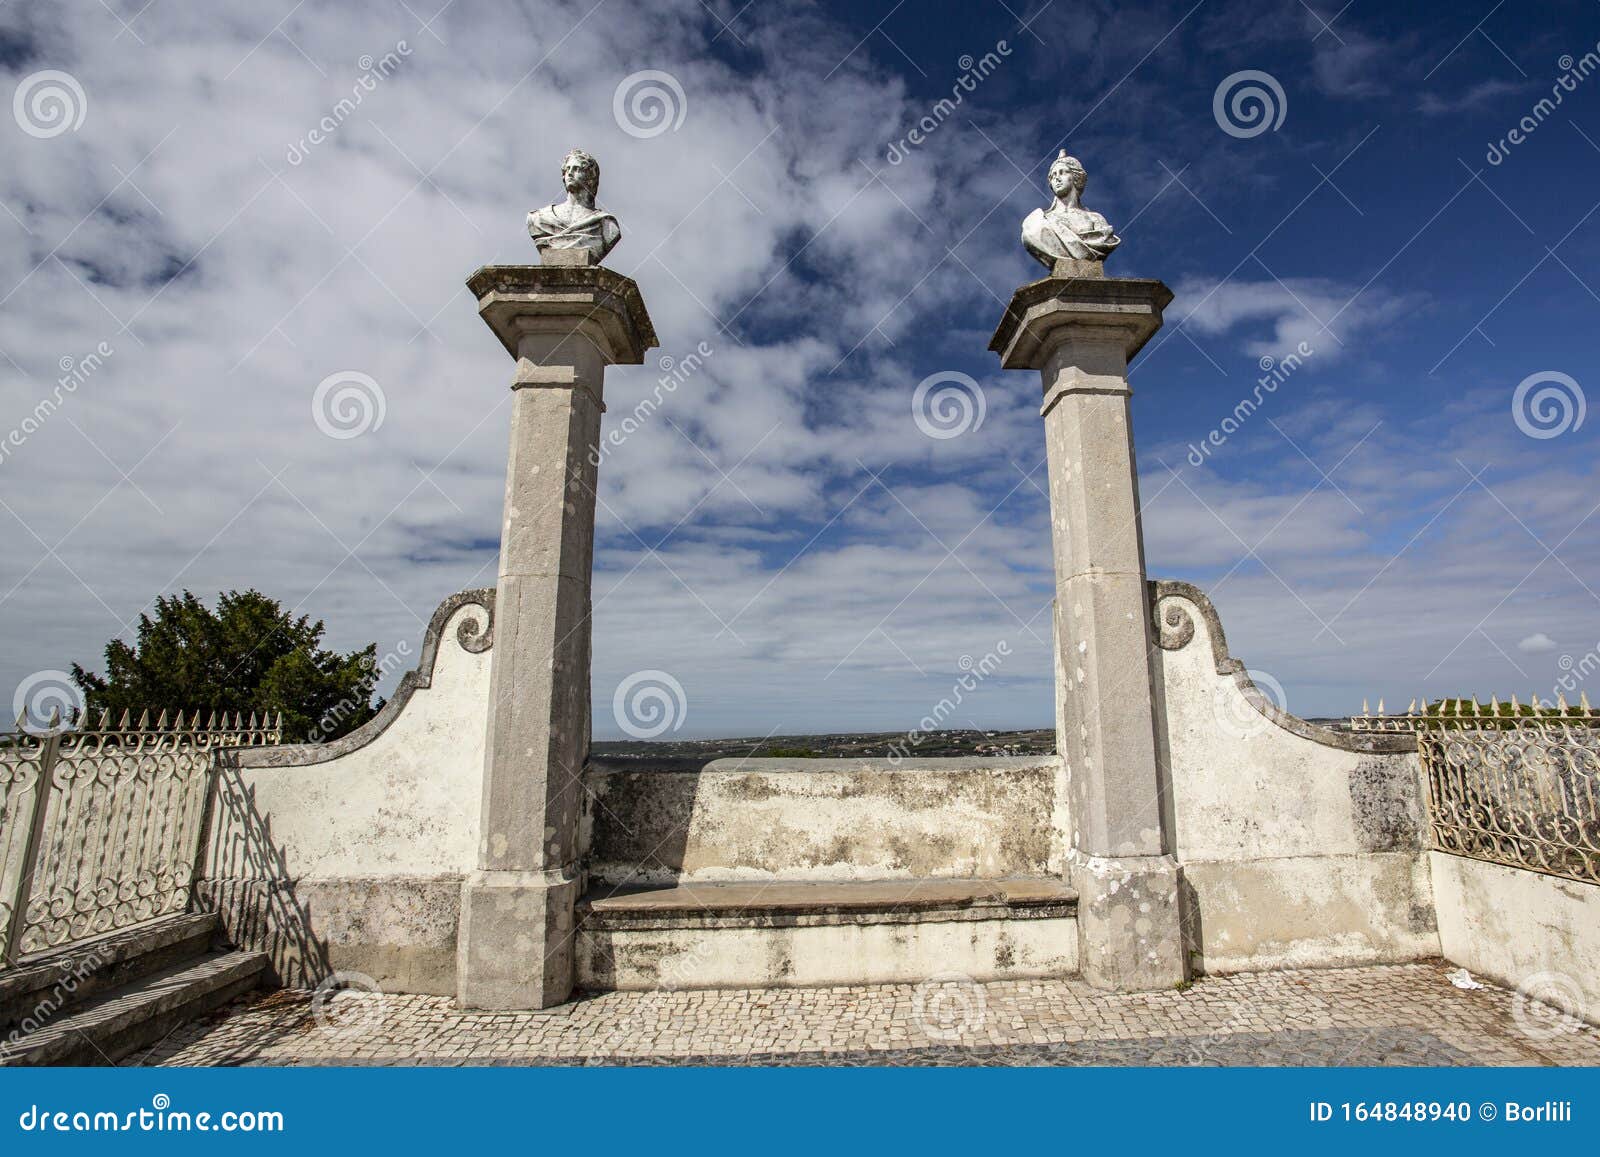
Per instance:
(355,863)
(405,804)
(1294,852)
(1523,929)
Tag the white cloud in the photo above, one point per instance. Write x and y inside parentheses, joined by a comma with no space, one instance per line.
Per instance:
(835,578)
(1538,643)
(1280,315)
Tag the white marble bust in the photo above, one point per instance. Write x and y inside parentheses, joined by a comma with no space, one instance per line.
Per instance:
(1065,229)
(576,224)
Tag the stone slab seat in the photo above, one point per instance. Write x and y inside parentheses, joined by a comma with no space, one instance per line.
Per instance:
(777,902)
(106,1029)
(753,934)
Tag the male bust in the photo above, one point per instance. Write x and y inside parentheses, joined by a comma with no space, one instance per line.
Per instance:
(575,224)
(1066,230)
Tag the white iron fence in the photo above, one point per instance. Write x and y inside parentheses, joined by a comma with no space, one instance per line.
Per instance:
(1512,784)
(101,828)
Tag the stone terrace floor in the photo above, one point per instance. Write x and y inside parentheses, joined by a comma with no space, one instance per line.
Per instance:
(1389,1015)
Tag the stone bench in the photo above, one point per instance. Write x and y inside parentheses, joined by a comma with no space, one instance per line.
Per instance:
(754,934)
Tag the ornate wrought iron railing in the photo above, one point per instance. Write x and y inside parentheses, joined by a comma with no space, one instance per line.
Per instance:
(1526,796)
(101,827)
(1513,783)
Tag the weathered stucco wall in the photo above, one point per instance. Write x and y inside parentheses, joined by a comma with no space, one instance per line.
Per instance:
(1299,846)
(349,855)
(1536,933)
(821,819)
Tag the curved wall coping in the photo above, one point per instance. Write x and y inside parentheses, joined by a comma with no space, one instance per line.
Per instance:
(469,634)
(1174,630)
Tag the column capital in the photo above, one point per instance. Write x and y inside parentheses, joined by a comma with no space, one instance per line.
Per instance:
(599,303)
(1123,311)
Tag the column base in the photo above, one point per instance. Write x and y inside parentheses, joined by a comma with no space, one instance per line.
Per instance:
(1130,935)
(514,945)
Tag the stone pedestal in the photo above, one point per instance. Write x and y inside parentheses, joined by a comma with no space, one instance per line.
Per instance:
(1080,333)
(563,325)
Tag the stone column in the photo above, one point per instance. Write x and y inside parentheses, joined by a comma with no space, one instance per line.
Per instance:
(563,324)
(1080,333)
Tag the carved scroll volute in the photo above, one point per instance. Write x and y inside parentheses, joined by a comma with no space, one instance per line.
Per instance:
(1174,626)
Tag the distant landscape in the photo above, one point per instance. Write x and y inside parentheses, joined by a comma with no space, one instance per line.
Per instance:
(845,745)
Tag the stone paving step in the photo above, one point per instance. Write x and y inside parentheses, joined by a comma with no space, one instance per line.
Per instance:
(137,1014)
(69,976)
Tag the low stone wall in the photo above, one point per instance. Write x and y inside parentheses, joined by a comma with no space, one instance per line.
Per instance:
(1300,846)
(1536,933)
(820,819)
(349,856)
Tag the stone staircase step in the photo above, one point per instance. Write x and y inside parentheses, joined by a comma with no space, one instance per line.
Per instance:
(106,1029)
(64,977)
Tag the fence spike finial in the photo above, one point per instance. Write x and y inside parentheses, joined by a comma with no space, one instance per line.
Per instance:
(1365,709)
(1583,701)
(1561,701)
(144,720)
(161,720)
(22,720)
(105,719)
(252,721)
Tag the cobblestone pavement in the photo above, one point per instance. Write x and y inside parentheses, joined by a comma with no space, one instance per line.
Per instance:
(1388,1015)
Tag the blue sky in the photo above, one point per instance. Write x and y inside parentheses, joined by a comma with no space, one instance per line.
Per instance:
(782,537)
